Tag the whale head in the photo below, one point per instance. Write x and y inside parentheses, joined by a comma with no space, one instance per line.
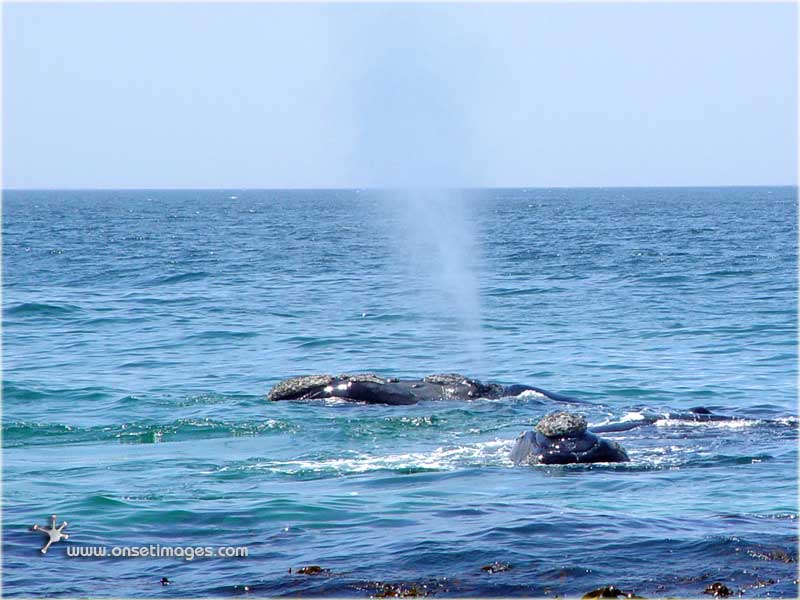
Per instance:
(562,438)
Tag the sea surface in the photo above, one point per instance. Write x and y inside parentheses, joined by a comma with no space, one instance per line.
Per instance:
(143,329)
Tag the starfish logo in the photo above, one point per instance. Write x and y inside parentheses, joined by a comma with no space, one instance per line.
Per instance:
(54,533)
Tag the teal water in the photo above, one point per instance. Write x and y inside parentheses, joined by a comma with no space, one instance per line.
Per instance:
(142,330)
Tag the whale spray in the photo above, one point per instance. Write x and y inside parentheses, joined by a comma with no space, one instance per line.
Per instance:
(414,137)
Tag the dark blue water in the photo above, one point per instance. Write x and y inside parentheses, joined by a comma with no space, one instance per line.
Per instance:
(141,331)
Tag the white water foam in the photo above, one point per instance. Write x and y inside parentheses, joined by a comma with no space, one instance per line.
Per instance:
(527,395)
(490,453)
(733,424)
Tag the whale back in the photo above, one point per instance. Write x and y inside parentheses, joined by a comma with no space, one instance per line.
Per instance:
(374,389)
(446,379)
(457,386)
(299,387)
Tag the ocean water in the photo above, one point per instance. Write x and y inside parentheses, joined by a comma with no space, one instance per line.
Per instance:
(142,330)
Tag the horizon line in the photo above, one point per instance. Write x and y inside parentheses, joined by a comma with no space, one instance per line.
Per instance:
(390,189)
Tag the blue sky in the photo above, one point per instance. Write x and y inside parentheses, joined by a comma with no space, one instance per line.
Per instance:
(380,95)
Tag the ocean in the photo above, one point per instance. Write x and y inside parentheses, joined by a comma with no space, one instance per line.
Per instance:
(143,329)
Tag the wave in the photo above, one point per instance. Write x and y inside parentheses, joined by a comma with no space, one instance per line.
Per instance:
(664,278)
(222,335)
(111,321)
(11,391)
(501,292)
(311,342)
(14,392)
(177,278)
(41,309)
(22,433)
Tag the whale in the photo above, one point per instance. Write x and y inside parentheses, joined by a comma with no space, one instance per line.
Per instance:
(562,438)
(370,388)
